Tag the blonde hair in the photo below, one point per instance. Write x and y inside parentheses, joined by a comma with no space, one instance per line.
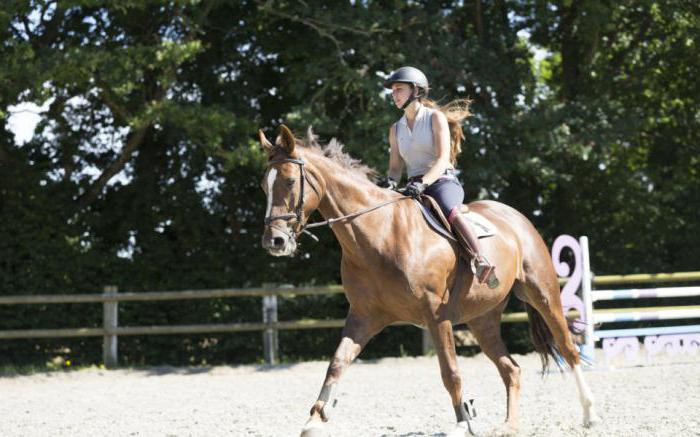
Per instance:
(455,111)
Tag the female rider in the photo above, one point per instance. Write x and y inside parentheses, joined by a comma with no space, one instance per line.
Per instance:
(427,139)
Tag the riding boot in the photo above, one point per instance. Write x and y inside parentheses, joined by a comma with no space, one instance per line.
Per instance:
(483,270)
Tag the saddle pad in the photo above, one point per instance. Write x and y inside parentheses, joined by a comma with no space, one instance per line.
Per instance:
(483,226)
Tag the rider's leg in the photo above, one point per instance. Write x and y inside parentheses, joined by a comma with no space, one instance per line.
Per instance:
(449,195)
(465,230)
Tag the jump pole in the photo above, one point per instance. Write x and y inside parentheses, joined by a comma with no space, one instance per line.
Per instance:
(586,286)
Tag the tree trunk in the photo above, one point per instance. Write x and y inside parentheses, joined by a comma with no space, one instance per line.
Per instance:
(570,52)
(135,140)
(479,20)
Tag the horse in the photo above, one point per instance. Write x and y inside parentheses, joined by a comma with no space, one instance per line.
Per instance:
(395,268)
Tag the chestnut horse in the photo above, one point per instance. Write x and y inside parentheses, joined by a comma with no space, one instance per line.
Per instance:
(395,268)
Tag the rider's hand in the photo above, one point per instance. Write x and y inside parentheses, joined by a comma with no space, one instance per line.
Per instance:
(414,189)
(387,182)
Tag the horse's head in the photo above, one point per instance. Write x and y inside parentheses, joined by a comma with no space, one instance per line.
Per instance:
(291,196)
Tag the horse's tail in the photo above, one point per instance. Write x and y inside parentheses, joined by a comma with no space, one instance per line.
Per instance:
(542,338)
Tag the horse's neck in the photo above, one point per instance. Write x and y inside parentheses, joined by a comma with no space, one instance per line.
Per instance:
(346,194)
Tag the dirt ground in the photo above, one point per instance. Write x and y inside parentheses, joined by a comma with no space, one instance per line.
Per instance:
(388,397)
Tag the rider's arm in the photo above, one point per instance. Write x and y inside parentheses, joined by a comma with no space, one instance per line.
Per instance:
(395,161)
(441,142)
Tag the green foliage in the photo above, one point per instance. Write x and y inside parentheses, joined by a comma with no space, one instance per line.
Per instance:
(144,170)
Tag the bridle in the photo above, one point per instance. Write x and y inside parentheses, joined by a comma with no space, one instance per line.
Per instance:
(298,215)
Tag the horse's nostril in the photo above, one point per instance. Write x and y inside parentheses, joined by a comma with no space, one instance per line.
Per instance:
(277,242)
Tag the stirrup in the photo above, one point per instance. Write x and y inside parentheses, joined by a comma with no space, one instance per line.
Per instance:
(484,271)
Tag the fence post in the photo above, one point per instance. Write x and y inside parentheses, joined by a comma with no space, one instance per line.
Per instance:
(586,286)
(428,346)
(270,335)
(110,322)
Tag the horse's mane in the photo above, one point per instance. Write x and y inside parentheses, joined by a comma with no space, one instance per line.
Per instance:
(334,151)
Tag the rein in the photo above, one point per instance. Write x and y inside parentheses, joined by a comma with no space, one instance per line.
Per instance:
(330,222)
(302,227)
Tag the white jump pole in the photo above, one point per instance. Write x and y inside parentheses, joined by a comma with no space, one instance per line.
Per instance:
(586,285)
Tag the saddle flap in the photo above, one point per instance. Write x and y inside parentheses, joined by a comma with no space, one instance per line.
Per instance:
(437,220)
(427,206)
(433,208)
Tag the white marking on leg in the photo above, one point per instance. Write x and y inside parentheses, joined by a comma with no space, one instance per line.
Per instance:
(312,427)
(586,397)
(461,430)
(271,176)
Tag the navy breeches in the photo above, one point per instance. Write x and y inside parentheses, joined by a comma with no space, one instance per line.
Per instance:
(447,192)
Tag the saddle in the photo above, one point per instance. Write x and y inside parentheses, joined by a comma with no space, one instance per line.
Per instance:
(438,222)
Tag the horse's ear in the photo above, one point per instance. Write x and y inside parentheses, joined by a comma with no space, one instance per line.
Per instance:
(288,140)
(266,144)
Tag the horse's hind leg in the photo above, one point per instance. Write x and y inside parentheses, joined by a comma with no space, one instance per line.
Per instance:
(487,330)
(542,293)
(357,332)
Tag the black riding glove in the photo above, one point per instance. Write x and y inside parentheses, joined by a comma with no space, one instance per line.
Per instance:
(414,189)
(387,182)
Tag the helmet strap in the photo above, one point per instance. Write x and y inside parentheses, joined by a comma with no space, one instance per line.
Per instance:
(410,99)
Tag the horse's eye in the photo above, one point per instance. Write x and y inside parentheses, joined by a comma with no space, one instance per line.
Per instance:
(290,182)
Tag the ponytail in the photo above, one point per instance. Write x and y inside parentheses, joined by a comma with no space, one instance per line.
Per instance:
(455,111)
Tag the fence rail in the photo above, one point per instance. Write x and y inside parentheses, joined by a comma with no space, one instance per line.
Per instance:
(168,295)
(646,278)
(644,293)
(110,299)
(200,329)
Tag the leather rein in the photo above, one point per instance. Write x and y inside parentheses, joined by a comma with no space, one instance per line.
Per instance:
(298,214)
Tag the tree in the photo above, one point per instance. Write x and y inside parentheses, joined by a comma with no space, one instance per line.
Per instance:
(144,170)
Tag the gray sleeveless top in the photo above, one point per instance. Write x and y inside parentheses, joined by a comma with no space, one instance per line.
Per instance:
(416,146)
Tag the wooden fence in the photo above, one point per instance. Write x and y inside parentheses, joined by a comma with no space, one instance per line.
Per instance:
(111,330)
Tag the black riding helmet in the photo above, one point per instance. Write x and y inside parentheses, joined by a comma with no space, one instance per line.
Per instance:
(411,76)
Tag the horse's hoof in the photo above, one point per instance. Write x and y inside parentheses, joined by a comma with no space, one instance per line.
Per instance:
(315,433)
(461,430)
(504,430)
(592,421)
(314,428)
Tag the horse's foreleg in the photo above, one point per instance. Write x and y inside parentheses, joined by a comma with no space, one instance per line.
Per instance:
(357,332)
(443,339)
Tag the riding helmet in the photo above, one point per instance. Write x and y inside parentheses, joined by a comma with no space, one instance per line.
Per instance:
(410,75)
